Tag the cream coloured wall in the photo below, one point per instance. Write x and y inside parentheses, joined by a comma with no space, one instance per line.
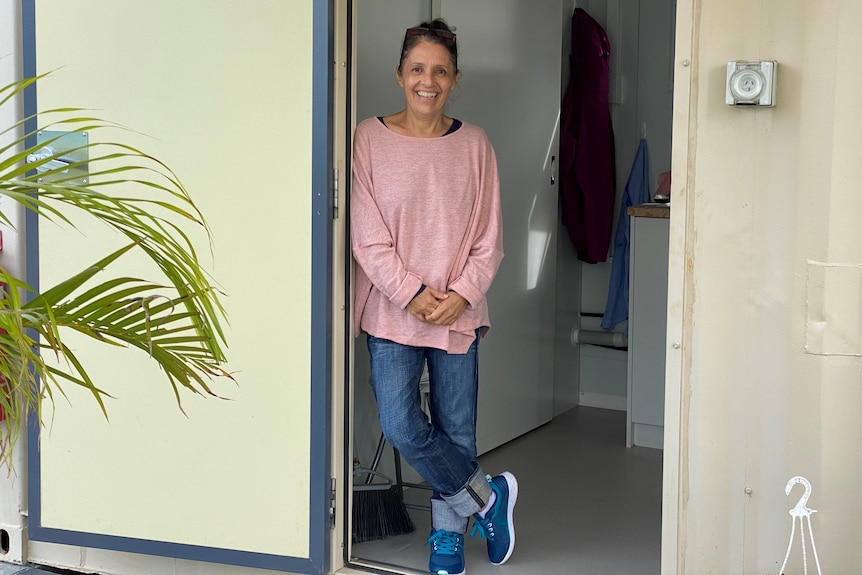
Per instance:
(764,315)
(152,472)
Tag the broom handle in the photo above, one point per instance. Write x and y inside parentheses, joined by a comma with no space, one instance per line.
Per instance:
(377,455)
(398,480)
(371,486)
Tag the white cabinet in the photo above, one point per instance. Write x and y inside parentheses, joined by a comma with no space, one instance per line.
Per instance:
(648,253)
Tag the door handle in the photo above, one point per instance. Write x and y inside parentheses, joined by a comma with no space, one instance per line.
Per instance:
(52,164)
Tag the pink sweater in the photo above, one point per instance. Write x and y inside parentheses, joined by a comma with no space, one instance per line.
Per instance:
(423,211)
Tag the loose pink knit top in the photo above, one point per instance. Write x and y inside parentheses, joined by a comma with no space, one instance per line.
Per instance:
(423,211)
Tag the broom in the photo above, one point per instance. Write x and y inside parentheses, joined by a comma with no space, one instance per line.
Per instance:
(378,510)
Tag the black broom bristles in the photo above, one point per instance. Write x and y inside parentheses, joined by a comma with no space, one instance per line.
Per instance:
(378,510)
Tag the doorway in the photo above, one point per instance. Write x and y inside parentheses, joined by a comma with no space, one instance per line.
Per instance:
(540,272)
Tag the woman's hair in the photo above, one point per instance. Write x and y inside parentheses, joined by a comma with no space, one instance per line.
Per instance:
(436,31)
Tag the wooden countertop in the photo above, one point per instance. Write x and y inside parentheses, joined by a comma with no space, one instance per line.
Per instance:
(651,210)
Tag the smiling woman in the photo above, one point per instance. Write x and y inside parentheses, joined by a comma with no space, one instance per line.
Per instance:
(426,229)
(428,72)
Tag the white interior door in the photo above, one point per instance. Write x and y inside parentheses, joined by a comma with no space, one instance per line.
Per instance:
(224,93)
(510,53)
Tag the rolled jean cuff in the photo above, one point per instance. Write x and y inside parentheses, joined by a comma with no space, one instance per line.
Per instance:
(444,517)
(472,497)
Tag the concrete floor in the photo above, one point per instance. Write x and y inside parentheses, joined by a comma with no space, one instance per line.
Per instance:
(587,505)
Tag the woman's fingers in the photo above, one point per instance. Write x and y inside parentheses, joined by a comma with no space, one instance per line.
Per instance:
(449,310)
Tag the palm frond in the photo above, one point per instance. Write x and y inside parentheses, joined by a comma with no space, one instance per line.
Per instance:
(176,318)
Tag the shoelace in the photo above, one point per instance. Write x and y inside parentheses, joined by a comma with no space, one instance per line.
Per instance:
(444,542)
(484,527)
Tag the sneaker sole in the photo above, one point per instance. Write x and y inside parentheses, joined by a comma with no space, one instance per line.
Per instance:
(513,498)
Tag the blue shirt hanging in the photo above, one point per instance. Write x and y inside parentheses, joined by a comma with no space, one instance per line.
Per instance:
(636,192)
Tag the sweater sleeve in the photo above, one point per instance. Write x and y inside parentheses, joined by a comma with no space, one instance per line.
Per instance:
(372,243)
(486,252)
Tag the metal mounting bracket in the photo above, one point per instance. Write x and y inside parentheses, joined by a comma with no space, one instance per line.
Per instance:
(61,157)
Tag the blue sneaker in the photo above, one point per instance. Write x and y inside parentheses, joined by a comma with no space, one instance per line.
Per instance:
(447,553)
(497,526)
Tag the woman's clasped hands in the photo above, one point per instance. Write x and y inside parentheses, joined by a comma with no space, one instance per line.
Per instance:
(433,306)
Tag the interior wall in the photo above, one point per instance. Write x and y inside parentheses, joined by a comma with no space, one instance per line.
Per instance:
(582,288)
(567,305)
(764,325)
(641,35)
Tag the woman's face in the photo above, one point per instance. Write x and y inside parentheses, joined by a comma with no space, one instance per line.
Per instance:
(427,76)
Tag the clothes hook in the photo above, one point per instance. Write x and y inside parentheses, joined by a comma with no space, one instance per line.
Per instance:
(643,131)
(803,513)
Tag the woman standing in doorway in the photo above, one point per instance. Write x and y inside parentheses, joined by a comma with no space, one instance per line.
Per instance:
(426,230)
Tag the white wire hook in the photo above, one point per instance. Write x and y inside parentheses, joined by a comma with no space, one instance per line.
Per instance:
(802,512)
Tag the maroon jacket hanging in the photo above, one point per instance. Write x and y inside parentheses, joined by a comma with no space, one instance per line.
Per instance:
(586,143)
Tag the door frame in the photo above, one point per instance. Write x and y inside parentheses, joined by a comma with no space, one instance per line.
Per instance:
(342,284)
(680,295)
(681,291)
(320,556)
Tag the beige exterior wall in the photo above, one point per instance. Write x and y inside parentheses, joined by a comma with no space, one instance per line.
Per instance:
(765,289)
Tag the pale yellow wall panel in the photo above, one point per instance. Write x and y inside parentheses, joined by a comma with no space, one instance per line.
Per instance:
(772,190)
(228,107)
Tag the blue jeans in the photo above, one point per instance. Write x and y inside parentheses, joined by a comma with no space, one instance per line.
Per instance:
(443,450)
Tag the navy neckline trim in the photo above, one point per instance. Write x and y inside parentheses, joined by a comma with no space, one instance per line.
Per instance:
(456,124)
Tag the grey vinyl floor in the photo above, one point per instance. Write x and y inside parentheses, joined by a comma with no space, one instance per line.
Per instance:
(7,569)
(587,505)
